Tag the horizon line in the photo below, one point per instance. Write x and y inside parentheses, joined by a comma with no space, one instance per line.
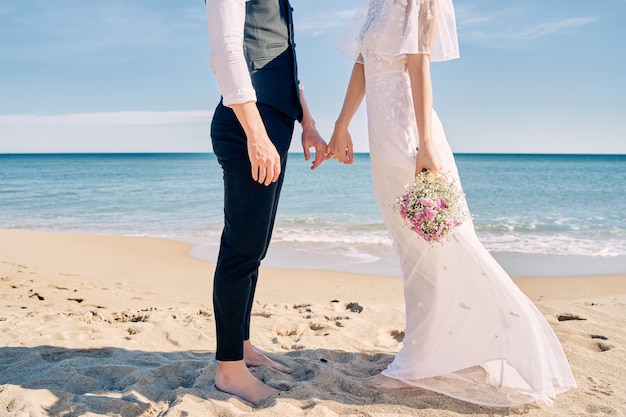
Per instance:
(291,152)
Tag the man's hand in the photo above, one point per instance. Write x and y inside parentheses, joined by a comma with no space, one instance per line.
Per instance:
(264,159)
(312,139)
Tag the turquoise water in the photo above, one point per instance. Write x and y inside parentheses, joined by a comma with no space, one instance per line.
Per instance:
(526,204)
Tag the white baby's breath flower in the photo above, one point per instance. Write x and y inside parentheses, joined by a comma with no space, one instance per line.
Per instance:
(432,206)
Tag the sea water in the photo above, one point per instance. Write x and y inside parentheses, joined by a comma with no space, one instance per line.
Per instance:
(526,208)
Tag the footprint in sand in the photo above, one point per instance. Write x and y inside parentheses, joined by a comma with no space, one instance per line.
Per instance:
(302,308)
(338,356)
(316,326)
(336,318)
(132,330)
(169,338)
(88,317)
(205,313)
(599,389)
(287,330)
(602,346)
(264,314)
(127,316)
(601,410)
(292,347)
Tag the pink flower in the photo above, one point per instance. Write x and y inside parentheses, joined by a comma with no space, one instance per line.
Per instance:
(403,211)
(440,230)
(429,214)
(432,207)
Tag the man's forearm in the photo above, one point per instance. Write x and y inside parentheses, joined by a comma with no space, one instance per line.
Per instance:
(250,120)
(307,119)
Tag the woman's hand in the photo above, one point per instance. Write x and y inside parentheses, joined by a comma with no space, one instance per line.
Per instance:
(340,146)
(427,159)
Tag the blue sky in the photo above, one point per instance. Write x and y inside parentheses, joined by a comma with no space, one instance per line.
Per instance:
(133,75)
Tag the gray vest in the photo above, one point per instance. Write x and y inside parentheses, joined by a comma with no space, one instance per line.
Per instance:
(269,49)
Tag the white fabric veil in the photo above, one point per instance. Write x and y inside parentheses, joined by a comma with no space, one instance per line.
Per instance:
(404,27)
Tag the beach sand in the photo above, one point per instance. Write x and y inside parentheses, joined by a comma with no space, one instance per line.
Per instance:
(123,326)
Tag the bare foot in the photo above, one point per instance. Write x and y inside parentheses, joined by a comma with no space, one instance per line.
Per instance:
(253,357)
(381,381)
(235,378)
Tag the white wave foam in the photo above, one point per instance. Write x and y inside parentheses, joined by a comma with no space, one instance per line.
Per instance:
(532,243)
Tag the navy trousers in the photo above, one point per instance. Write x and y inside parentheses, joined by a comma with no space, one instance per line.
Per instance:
(249,213)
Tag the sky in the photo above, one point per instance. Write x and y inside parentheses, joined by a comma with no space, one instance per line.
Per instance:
(133,76)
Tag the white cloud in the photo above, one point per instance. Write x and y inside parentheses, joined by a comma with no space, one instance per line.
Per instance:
(500,29)
(319,23)
(468,16)
(129,131)
(122,118)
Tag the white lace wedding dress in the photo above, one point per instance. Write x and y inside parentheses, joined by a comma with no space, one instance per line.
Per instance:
(470,332)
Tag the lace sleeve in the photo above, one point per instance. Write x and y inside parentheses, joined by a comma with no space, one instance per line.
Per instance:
(445,45)
(404,27)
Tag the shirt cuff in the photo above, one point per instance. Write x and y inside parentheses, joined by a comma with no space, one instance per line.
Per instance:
(239,96)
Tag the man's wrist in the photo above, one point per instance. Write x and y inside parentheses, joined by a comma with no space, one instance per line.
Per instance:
(307,123)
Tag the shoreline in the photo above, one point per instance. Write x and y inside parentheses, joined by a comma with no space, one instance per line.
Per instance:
(382,260)
(110,325)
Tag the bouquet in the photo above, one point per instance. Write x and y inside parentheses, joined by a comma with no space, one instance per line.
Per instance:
(432,206)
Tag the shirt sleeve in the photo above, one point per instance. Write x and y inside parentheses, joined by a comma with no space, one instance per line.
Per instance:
(226,20)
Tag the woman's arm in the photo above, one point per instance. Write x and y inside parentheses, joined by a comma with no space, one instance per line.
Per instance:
(340,146)
(418,67)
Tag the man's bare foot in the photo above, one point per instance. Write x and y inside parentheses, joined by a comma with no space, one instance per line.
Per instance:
(234,378)
(381,381)
(253,357)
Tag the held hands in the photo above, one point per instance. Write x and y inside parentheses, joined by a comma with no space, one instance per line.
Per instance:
(312,139)
(264,159)
(340,146)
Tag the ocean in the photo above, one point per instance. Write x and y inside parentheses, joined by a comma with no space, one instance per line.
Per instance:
(543,215)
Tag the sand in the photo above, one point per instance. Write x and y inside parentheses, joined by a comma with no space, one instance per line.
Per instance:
(123,326)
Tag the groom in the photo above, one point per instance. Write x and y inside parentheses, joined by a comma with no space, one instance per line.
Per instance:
(253,57)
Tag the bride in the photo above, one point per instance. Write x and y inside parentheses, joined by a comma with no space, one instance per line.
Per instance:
(470,332)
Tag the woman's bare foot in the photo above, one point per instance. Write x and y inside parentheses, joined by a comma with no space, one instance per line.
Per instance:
(234,378)
(381,381)
(253,357)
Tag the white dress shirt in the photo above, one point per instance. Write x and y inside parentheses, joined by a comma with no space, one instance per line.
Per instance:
(226,26)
